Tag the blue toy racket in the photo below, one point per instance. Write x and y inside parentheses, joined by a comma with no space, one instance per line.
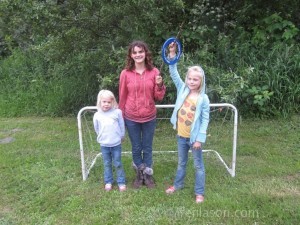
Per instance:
(164,51)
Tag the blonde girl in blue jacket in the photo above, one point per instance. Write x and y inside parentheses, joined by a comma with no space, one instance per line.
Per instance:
(190,118)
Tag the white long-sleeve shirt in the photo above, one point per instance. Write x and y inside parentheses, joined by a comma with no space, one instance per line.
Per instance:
(109,126)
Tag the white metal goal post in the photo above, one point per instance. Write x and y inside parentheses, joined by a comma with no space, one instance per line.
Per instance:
(86,168)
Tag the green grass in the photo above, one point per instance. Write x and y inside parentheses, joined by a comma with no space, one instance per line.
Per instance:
(41,180)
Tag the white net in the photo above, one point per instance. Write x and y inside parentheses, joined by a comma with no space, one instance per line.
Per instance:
(221,136)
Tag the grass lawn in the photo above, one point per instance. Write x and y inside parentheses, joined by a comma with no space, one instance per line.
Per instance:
(41,182)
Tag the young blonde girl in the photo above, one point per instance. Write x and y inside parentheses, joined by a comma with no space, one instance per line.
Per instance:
(190,118)
(110,129)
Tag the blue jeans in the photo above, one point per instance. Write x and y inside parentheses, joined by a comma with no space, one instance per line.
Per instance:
(141,138)
(112,155)
(184,146)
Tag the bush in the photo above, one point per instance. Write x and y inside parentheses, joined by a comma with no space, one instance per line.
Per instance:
(57,68)
(33,86)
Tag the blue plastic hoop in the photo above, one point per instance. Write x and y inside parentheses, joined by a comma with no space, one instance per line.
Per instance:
(166,46)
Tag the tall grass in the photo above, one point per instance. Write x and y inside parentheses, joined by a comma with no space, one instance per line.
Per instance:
(41,180)
(278,69)
(259,81)
(31,85)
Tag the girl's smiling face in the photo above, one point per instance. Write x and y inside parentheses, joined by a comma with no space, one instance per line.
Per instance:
(138,54)
(194,81)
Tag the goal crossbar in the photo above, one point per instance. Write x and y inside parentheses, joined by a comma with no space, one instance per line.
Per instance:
(230,169)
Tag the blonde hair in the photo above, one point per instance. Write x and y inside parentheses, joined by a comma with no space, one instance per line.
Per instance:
(199,71)
(106,94)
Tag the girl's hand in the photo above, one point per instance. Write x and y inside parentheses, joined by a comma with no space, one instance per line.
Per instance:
(197,145)
(159,80)
(172,50)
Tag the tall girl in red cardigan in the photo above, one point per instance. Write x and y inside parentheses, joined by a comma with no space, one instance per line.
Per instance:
(140,86)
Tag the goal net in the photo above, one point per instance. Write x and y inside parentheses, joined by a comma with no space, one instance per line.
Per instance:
(221,138)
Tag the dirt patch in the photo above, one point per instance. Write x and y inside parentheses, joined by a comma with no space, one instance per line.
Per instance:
(7,140)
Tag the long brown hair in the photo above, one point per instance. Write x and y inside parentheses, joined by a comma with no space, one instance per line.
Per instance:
(148,57)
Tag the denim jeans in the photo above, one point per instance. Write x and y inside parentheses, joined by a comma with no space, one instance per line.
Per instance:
(141,138)
(184,146)
(112,155)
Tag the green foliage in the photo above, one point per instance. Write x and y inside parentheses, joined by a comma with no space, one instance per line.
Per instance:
(56,55)
(34,86)
(275,72)
(258,97)
(274,29)
(226,87)
(233,68)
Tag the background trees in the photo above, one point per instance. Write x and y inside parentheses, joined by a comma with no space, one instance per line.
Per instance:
(56,55)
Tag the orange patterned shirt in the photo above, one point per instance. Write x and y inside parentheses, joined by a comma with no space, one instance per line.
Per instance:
(186,116)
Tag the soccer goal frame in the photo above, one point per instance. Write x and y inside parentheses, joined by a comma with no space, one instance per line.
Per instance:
(230,169)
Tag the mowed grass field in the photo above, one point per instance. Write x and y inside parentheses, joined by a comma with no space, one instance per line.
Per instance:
(41,180)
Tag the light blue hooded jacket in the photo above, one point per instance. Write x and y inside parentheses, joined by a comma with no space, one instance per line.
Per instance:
(201,119)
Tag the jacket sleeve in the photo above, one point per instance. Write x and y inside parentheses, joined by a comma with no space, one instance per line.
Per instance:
(96,124)
(204,120)
(159,92)
(123,92)
(121,124)
(175,76)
